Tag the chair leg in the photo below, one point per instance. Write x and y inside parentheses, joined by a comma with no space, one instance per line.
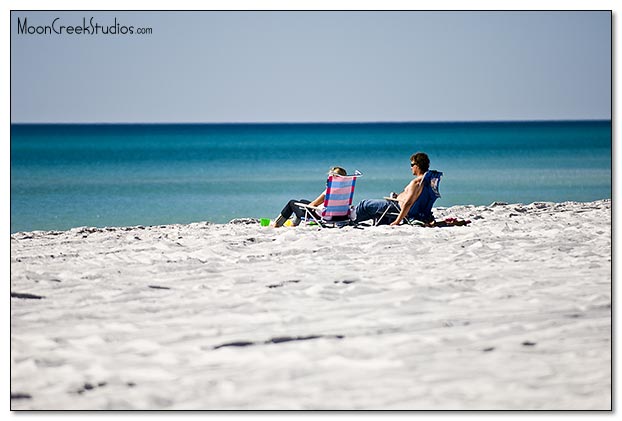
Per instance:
(391,204)
(309,215)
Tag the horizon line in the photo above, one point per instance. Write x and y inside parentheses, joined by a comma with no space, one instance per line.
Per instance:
(306,122)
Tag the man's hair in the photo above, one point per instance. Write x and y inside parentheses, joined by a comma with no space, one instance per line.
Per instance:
(422,161)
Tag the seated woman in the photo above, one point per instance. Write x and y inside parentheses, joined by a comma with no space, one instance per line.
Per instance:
(292,208)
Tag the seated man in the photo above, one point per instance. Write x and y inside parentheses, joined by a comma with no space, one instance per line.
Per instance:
(415,202)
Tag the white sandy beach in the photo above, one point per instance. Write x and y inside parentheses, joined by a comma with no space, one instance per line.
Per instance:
(510,312)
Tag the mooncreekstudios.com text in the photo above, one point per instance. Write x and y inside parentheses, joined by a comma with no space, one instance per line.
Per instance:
(88,27)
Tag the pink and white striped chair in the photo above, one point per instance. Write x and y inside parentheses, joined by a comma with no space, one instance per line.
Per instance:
(337,201)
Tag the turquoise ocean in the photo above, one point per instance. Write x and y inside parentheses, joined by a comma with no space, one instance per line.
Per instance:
(70,175)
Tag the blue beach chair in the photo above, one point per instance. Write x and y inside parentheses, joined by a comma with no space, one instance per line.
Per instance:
(421,211)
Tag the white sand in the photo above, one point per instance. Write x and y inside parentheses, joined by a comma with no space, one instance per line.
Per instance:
(511,312)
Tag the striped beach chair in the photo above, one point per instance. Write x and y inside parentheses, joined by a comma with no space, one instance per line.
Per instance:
(337,201)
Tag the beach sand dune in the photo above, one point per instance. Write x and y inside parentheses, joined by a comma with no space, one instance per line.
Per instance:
(510,312)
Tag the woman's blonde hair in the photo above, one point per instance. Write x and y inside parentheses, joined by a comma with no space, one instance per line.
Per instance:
(337,171)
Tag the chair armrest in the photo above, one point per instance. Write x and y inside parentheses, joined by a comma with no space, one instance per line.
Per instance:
(304,205)
(391,199)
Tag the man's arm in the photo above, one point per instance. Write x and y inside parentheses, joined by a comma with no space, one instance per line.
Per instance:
(412,193)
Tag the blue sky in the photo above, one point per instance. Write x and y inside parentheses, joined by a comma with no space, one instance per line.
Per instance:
(314,66)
